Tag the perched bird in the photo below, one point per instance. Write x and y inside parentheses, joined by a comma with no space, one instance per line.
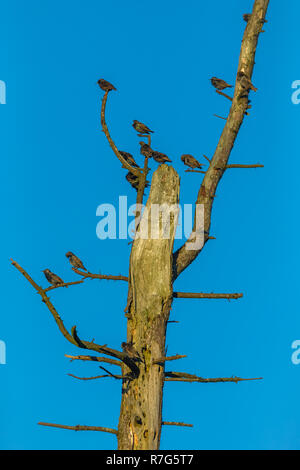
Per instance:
(75,261)
(104,85)
(191,161)
(54,279)
(130,350)
(247,17)
(245,82)
(129,159)
(141,128)
(160,157)
(219,84)
(146,150)
(134,181)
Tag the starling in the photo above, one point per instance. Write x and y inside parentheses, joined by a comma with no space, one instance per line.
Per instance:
(141,128)
(247,17)
(129,159)
(191,161)
(75,261)
(219,84)
(245,82)
(134,180)
(129,350)
(54,279)
(104,85)
(160,157)
(146,150)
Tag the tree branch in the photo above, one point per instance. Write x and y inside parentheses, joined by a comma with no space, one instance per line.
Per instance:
(169,358)
(175,423)
(73,337)
(96,359)
(183,257)
(183,377)
(133,170)
(65,284)
(80,428)
(201,295)
(107,277)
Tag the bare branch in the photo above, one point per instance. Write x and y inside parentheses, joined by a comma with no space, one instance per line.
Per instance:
(73,337)
(234,165)
(170,358)
(89,378)
(224,94)
(80,428)
(183,257)
(174,423)
(65,284)
(96,359)
(107,277)
(220,117)
(184,377)
(133,170)
(202,295)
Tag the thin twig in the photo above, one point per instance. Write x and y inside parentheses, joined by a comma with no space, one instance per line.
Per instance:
(184,377)
(169,358)
(65,284)
(224,94)
(176,423)
(202,295)
(96,359)
(221,117)
(80,428)
(124,162)
(235,165)
(107,277)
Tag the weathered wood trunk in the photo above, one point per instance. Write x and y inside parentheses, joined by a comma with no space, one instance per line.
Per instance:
(150,294)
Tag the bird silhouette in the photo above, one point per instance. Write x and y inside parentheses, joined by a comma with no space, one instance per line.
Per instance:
(219,84)
(191,161)
(245,82)
(160,157)
(54,279)
(141,128)
(75,261)
(129,159)
(105,85)
(146,150)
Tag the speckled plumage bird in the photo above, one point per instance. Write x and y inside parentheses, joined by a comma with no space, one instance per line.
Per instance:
(219,84)
(129,159)
(130,350)
(75,261)
(54,279)
(247,17)
(141,128)
(146,150)
(160,157)
(191,161)
(105,85)
(245,82)
(134,181)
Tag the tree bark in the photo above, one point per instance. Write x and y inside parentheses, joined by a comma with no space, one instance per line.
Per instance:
(150,294)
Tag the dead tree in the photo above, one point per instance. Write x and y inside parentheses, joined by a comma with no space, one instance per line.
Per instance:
(153,269)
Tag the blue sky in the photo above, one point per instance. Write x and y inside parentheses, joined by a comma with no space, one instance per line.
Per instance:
(57,168)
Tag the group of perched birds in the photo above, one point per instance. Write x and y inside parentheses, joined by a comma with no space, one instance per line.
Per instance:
(54,279)
(143,130)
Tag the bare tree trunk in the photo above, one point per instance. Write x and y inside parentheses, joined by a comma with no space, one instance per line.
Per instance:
(150,291)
